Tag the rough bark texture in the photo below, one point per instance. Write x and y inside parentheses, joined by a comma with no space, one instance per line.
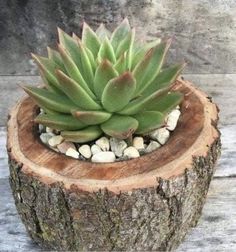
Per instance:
(151,219)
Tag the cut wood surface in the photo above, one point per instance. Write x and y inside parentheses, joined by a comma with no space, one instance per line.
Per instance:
(193,137)
(217,225)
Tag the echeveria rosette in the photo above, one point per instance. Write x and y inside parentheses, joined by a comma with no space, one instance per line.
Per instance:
(105,83)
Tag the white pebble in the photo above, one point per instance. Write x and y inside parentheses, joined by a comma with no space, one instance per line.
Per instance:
(138,143)
(172,119)
(95,149)
(64,146)
(49,130)
(85,151)
(72,153)
(161,135)
(55,140)
(41,128)
(153,145)
(104,157)
(117,146)
(103,143)
(131,152)
(45,137)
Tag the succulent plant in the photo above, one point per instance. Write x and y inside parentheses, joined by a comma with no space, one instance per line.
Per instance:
(105,83)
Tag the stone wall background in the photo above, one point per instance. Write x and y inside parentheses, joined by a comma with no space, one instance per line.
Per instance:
(204,31)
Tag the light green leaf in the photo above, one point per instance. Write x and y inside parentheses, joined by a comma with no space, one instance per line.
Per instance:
(104,73)
(56,58)
(148,121)
(140,49)
(146,71)
(106,51)
(50,100)
(125,43)
(82,136)
(90,39)
(141,103)
(73,71)
(121,127)
(102,32)
(165,78)
(167,103)
(71,47)
(47,69)
(121,64)
(120,33)
(76,93)
(60,122)
(91,117)
(87,67)
(118,92)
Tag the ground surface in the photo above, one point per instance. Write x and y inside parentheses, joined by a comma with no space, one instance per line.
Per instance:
(216,230)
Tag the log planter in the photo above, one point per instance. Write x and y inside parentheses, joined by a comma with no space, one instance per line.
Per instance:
(147,204)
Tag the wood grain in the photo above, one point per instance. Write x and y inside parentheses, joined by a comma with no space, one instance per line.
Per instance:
(211,233)
(197,119)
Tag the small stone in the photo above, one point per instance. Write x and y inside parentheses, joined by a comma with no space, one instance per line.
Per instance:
(85,151)
(104,157)
(161,135)
(72,153)
(41,128)
(131,152)
(45,137)
(103,143)
(95,149)
(138,143)
(49,130)
(55,140)
(117,146)
(172,119)
(64,146)
(153,145)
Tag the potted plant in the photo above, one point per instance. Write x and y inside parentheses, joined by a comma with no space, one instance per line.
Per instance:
(96,160)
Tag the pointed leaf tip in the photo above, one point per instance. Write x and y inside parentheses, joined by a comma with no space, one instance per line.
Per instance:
(118,92)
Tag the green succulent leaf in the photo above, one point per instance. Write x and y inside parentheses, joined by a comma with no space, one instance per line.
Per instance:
(47,69)
(56,58)
(91,117)
(82,136)
(167,103)
(104,73)
(139,50)
(120,33)
(143,102)
(91,59)
(149,67)
(102,32)
(60,122)
(106,51)
(121,127)
(76,93)
(125,44)
(118,92)
(87,67)
(121,64)
(48,85)
(71,47)
(52,101)
(148,121)
(90,39)
(73,71)
(165,78)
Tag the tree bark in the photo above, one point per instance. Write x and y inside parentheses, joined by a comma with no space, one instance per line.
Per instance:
(64,215)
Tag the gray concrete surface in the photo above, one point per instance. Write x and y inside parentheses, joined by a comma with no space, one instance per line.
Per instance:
(204,30)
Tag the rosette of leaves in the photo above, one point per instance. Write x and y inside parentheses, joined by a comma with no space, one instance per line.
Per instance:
(105,83)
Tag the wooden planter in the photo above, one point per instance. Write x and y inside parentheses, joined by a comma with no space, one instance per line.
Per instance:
(148,203)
